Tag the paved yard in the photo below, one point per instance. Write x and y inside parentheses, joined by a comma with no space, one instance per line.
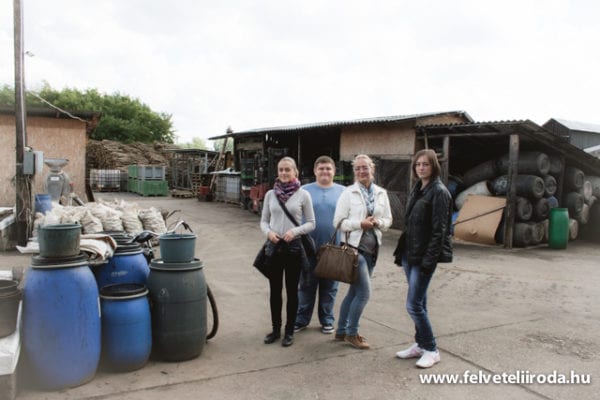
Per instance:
(514,312)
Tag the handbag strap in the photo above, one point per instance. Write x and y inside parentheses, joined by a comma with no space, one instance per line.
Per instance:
(337,228)
(287,212)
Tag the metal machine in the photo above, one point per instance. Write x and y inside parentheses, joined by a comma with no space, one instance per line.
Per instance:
(57,182)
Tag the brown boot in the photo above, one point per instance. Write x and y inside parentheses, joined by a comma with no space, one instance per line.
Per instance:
(357,341)
(340,336)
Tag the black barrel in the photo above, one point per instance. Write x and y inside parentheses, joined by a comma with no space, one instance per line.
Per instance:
(178,311)
(482,172)
(528,234)
(530,162)
(541,209)
(574,178)
(524,209)
(556,166)
(574,202)
(550,185)
(530,186)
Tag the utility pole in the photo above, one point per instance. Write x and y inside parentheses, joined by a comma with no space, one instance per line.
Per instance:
(22,183)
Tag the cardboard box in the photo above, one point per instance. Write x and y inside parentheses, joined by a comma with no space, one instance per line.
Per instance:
(479,218)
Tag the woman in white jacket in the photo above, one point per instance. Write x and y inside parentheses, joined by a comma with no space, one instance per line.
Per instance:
(363,210)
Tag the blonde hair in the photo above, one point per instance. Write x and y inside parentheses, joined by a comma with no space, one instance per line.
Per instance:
(369,162)
(291,161)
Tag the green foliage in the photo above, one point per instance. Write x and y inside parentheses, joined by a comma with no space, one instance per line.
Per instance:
(123,119)
(196,143)
(218,144)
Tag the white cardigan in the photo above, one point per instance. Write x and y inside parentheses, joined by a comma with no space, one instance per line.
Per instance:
(351,209)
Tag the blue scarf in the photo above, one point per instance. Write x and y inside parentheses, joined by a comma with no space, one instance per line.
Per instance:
(369,197)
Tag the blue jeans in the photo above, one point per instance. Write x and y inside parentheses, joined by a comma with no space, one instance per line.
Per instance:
(357,297)
(416,305)
(307,293)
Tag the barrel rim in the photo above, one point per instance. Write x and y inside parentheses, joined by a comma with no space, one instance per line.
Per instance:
(187,266)
(177,236)
(41,262)
(140,291)
(160,263)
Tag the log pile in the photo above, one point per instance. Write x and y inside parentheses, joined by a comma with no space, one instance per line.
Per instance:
(109,154)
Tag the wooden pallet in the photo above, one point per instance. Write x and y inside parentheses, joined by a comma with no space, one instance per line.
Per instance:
(185,194)
(102,188)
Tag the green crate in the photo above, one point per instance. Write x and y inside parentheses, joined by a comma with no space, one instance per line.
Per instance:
(151,172)
(132,185)
(132,171)
(153,188)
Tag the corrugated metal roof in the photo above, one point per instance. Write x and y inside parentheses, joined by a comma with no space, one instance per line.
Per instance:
(579,126)
(337,124)
(532,131)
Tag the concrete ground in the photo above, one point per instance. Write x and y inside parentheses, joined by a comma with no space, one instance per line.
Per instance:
(494,311)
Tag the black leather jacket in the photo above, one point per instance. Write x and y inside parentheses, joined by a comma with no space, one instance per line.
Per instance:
(426,237)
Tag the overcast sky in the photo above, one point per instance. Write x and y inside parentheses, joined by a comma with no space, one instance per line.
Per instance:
(253,64)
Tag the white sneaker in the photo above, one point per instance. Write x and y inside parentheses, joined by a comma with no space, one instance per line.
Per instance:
(428,359)
(413,351)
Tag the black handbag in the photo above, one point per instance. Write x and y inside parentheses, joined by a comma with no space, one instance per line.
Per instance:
(308,242)
(261,262)
(337,262)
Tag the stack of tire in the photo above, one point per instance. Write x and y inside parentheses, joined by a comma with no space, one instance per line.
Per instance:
(536,187)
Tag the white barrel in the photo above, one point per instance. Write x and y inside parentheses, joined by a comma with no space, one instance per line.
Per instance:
(586,191)
(480,188)
(573,229)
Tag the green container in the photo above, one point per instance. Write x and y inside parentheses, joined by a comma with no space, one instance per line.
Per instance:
(153,188)
(558,232)
(59,240)
(178,311)
(132,171)
(132,185)
(177,247)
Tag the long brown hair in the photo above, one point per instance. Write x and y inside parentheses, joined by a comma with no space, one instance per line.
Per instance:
(436,170)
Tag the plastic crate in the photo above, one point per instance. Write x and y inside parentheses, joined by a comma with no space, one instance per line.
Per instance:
(151,172)
(132,185)
(132,171)
(153,188)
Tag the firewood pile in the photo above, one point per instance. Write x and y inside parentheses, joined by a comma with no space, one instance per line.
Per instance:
(109,154)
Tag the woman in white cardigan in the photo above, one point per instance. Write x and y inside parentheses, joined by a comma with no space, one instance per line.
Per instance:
(363,210)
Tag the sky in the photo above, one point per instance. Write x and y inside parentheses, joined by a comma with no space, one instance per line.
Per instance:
(260,63)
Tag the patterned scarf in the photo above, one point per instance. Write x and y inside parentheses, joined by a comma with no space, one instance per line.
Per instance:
(284,191)
(369,197)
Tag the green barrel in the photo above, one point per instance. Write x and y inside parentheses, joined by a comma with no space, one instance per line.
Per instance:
(178,309)
(558,235)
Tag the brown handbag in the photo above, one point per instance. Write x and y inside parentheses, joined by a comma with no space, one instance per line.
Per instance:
(338,263)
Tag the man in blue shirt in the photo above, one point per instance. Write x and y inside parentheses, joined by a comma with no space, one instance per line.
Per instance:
(324,193)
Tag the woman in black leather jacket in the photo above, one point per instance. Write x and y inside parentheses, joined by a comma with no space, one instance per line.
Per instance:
(425,241)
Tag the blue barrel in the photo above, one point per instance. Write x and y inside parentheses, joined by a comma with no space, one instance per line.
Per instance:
(43,203)
(61,322)
(127,265)
(178,298)
(126,326)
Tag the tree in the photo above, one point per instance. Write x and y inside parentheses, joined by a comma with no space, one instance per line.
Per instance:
(124,119)
(218,144)
(196,143)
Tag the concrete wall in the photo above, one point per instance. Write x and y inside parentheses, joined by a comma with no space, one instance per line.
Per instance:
(57,138)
